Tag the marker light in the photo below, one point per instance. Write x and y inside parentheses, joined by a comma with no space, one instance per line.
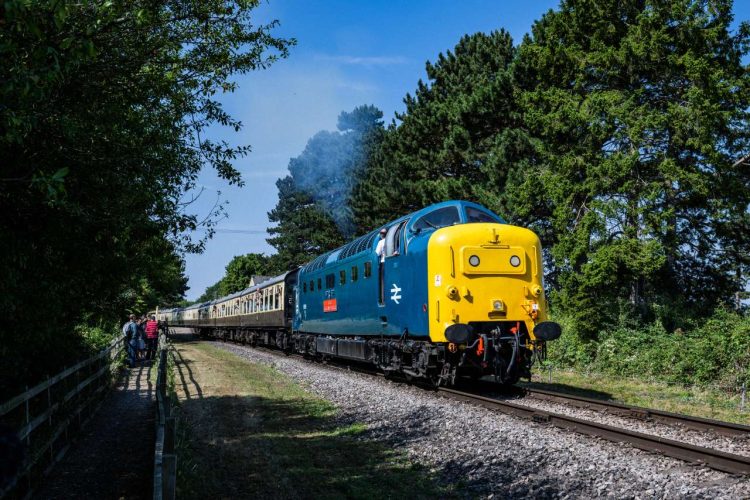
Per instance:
(515,261)
(474,260)
(497,305)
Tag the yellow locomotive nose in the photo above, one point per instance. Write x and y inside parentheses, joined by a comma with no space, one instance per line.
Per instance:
(483,273)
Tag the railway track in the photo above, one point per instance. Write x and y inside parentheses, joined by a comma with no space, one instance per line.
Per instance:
(646,414)
(714,459)
(725,462)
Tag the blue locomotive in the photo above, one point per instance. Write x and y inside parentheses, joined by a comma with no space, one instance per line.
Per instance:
(446,291)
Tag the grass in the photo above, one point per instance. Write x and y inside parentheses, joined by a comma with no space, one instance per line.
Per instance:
(247,430)
(700,402)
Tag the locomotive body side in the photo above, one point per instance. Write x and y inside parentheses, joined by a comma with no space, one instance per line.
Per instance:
(340,293)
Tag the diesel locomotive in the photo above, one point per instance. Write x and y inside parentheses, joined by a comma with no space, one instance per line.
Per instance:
(456,292)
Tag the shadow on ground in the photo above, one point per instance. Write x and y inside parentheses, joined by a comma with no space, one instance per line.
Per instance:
(274,447)
(568,389)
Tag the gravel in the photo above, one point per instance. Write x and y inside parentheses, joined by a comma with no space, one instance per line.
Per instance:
(730,444)
(488,454)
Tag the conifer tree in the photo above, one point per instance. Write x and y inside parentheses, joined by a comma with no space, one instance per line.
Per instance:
(457,136)
(638,111)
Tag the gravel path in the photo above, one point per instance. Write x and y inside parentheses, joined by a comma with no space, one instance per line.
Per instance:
(114,456)
(736,445)
(489,454)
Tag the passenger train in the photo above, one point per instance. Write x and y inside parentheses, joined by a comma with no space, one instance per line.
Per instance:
(458,292)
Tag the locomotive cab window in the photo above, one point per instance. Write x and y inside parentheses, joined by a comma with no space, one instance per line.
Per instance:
(476,215)
(393,239)
(442,217)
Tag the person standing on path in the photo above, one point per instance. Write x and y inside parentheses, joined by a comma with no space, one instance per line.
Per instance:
(130,329)
(152,337)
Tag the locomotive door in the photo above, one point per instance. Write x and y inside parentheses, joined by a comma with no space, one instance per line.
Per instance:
(388,289)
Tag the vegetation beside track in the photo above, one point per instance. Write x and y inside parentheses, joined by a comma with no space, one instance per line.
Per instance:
(699,371)
(711,354)
(249,431)
(688,400)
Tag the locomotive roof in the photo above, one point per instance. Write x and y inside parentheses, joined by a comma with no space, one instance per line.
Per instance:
(366,241)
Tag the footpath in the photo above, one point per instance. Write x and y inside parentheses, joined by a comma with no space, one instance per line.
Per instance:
(113,457)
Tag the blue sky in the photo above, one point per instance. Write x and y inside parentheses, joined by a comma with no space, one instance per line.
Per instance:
(348,53)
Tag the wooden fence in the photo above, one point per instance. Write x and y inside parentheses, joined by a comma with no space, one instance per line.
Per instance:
(165,458)
(50,414)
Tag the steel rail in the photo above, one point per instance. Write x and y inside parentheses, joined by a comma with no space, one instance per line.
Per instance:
(714,459)
(647,414)
(719,460)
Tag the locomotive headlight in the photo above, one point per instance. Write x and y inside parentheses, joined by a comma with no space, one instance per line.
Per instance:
(497,305)
(474,260)
(515,261)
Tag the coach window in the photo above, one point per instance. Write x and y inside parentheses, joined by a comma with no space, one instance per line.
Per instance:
(368,269)
(355,270)
(342,277)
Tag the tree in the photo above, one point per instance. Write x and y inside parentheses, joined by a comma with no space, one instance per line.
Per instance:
(241,269)
(313,214)
(457,138)
(104,109)
(303,229)
(638,111)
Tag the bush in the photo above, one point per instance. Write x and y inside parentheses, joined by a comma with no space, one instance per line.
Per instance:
(96,338)
(714,351)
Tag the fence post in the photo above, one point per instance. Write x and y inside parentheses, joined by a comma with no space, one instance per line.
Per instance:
(169,476)
(742,397)
(170,426)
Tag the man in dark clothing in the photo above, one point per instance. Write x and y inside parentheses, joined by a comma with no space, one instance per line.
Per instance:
(130,329)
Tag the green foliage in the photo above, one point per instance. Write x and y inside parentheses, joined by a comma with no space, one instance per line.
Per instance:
(637,112)
(96,338)
(104,106)
(712,352)
(238,273)
(457,137)
(303,229)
